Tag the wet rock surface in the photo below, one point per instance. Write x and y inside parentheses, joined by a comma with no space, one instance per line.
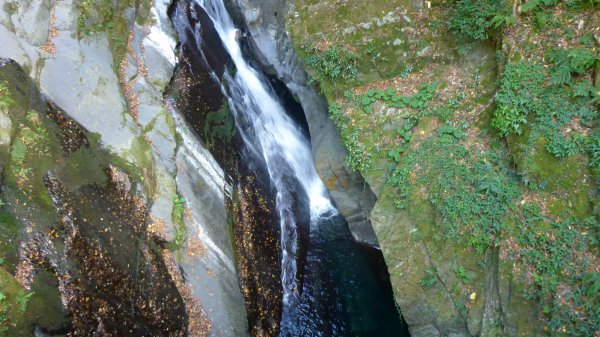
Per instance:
(91,237)
(108,285)
(256,231)
(99,109)
(265,23)
(252,220)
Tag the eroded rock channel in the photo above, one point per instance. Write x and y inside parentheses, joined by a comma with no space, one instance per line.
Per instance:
(160,188)
(301,270)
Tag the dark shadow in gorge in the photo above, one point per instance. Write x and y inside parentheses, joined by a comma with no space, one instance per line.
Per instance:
(341,249)
(364,306)
(254,224)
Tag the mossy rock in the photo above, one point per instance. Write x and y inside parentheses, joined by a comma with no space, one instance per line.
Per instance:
(42,307)
(388,35)
(109,16)
(564,182)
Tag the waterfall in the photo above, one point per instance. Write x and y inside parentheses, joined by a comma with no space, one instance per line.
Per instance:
(330,285)
(274,136)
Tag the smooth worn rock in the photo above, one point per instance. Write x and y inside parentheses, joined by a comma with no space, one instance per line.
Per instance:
(6,132)
(265,22)
(127,112)
(208,256)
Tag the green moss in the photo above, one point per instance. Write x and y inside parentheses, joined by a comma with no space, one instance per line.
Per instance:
(33,154)
(471,192)
(20,309)
(178,222)
(9,234)
(385,43)
(219,126)
(108,16)
(577,204)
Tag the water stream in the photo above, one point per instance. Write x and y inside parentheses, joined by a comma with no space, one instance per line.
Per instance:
(331,285)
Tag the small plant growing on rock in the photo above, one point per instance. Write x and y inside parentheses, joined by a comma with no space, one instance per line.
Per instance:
(5,99)
(333,63)
(178,211)
(22,299)
(462,274)
(476,19)
(429,280)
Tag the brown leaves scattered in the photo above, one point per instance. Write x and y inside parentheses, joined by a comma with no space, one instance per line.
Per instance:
(49,47)
(196,247)
(198,325)
(127,85)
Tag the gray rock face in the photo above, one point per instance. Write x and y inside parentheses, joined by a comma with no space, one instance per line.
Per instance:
(6,133)
(123,104)
(265,20)
(209,263)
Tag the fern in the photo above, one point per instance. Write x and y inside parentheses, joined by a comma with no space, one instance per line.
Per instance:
(532,5)
(593,149)
(567,62)
(518,96)
(5,99)
(475,19)
(503,20)
(584,89)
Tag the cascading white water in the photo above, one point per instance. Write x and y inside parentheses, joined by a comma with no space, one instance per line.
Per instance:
(281,144)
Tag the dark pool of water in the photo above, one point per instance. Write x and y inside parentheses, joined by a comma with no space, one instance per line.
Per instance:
(346,290)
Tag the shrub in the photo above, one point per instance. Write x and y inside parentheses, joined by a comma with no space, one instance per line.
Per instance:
(569,62)
(334,63)
(518,96)
(475,19)
(470,192)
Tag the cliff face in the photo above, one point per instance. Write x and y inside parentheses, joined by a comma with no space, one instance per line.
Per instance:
(97,73)
(481,211)
(265,22)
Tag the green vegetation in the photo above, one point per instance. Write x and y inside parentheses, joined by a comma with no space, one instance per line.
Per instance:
(593,148)
(359,159)
(219,126)
(430,278)
(5,99)
(405,134)
(108,16)
(537,5)
(472,192)
(31,138)
(22,299)
(467,164)
(335,65)
(516,99)
(462,274)
(13,305)
(178,222)
(566,63)
(550,102)
(420,100)
(481,19)
(476,19)
(555,252)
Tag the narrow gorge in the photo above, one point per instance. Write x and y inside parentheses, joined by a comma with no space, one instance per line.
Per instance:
(299,168)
